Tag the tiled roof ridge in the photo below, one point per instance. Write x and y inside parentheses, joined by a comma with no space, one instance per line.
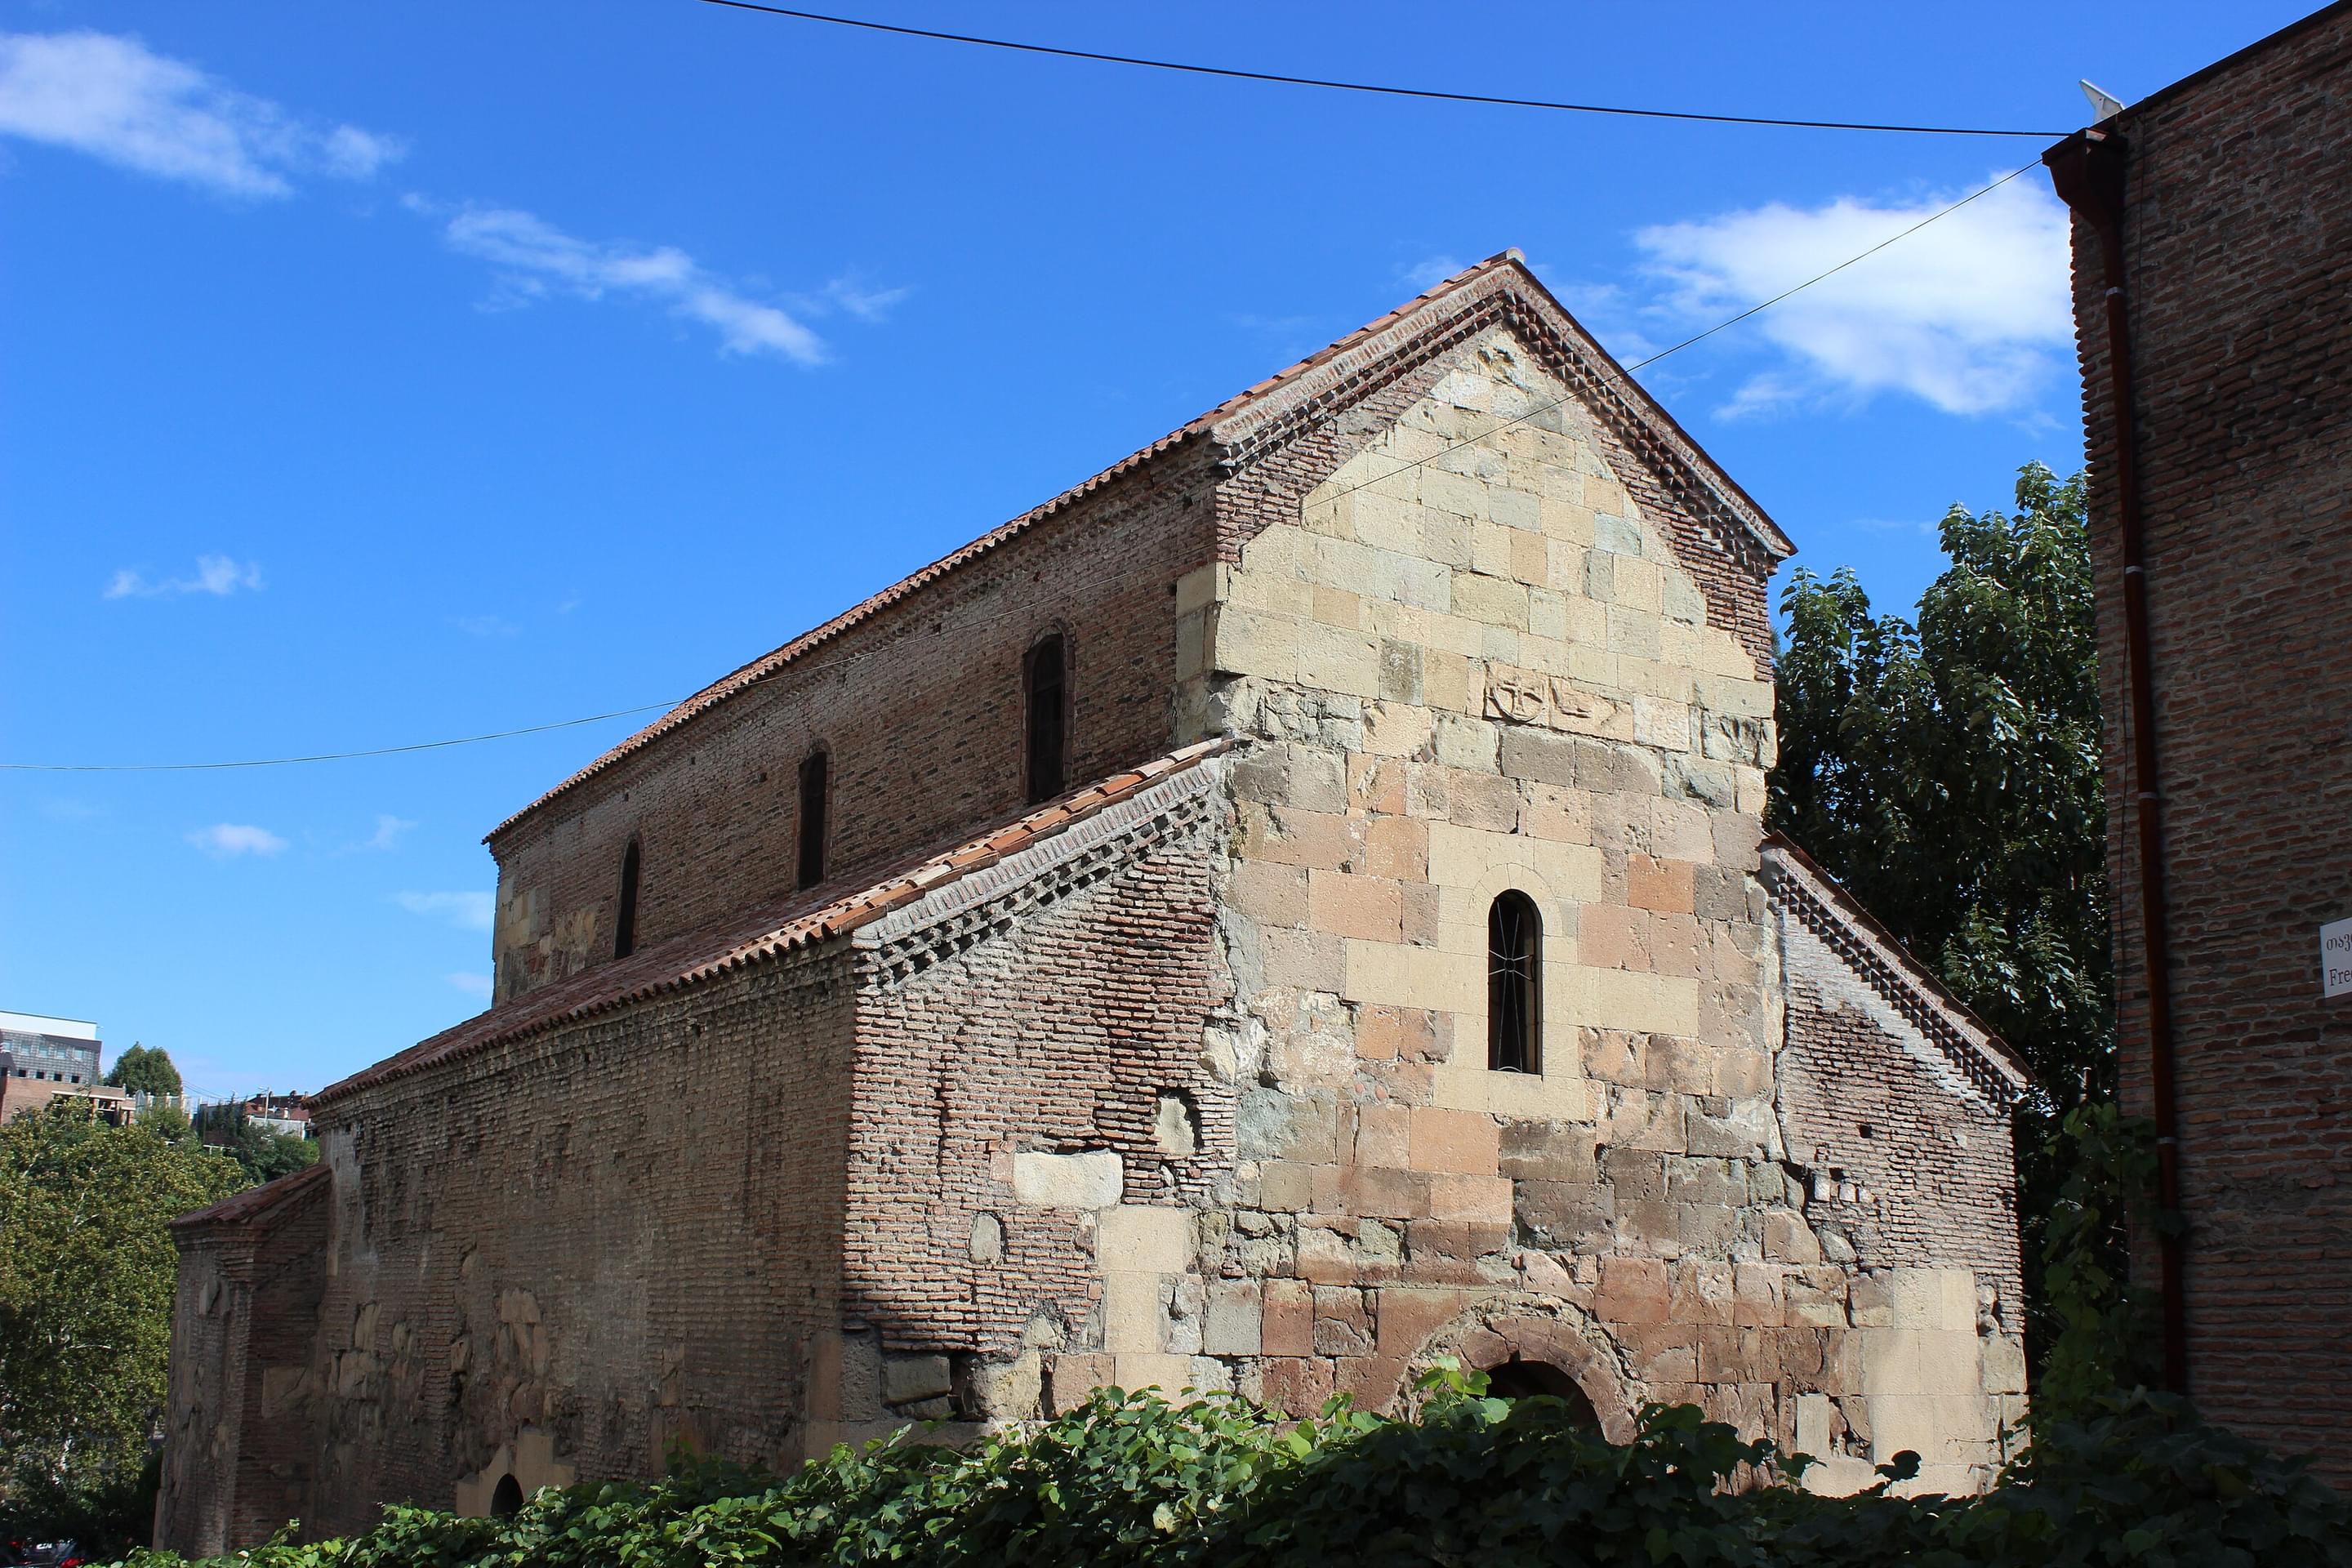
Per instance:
(839,916)
(1890,967)
(1213,425)
(255,1202)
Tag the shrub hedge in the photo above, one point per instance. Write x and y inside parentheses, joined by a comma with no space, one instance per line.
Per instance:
(1133,1479)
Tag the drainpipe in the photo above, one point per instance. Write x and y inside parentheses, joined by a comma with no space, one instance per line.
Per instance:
(2087,169)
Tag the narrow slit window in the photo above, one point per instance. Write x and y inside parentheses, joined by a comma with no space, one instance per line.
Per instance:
(624,929)
(815,777)
(1044,680)
(1513,984)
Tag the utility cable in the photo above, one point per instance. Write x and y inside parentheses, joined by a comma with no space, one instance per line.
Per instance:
(322,756)
(1236,74)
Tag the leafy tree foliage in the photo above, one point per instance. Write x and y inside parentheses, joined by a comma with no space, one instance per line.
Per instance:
(138,1069)
(87,1275)
(1948,772)
(1131,1479)
(265,1152)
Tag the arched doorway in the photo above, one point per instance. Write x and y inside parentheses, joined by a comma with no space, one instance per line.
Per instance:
(1520,1379)
(507,1500)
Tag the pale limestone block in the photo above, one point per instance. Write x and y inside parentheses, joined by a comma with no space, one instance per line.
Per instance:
(2003,1365)
(1452,634)
(1144,1237)
(1490,549)
(1251,642)
(1453,493)
(1655,678)
(1385,523)
(1132,1318)
(1839,1476)
(1170,1374)
(1681,830)
(1197,589)
(1399,729)
(1942,1429)
(1623,999)
(1515,509)
(1748,698)
(1500,643)
(1815,1427)
(1337,607)
(1632,634)
(1191,645)
(1093,1180)
(1681,600)
(1664,724)
(1398,976)
(1749,791)
(1338,661)
(1678,645)
(1491,600)
(1557,1094)
(1720,654)
(1548,615)
(1338,563)
(1640,584)
(1468,744)
(1446,680)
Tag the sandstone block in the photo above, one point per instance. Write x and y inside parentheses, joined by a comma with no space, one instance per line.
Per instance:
(1071,1377)
(1369,908)
(1293,1385)
(1662,885)
(1408,1316)
(1092,1179)
(1287,1323)
(1561,1215)
(1231,1322)
(1147,1238)
(1455,1141)
(1467,1198)
(1547,1151)
(1632,1290)
(1384,1135)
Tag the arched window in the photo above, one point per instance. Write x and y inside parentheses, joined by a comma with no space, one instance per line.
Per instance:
(624,929)
(1045,685)
(506,1500)
(1513,984)
(814,778)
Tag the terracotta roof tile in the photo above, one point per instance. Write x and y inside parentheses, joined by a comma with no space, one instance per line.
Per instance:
(804,920)
(255,1202)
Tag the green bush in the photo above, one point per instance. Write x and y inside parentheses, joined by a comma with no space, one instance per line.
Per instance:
(1132,1479)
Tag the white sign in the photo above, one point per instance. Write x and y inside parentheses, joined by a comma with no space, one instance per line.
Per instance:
(2336,959)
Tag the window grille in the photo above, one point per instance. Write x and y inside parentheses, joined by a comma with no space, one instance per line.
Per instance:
(1513,984)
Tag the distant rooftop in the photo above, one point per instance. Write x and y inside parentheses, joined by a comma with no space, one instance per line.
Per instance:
(38,1024)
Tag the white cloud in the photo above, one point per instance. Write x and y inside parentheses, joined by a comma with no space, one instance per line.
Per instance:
(485,626)
(226,840)
(215,574)
(113,99)
(866,304)
(534,259)
(389,830)
(1970,314)
(478,986)
(468,912)
(1429,272)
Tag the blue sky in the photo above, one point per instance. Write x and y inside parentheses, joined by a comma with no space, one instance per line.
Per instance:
(379,374)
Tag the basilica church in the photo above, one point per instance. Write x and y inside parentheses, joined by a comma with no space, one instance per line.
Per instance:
(1291,908)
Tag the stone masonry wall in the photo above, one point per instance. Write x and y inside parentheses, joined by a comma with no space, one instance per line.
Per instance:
(921,709)
(1492,670)
(2238,249)
(556,1255)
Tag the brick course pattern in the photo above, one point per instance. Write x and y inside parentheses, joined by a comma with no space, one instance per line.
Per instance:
(1181,1079)
(2238,253)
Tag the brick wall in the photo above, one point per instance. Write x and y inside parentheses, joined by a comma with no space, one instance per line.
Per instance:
(240,1448)
(920,708)
(2239,256)
(598,1240)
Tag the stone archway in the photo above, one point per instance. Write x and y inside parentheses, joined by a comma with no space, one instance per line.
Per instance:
(1539,1344)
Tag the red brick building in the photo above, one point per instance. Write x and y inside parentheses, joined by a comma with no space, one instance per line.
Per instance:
(2213,308)
(1293,907)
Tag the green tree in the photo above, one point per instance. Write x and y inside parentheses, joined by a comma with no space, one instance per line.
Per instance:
(265,1152)
(1948,772)
(140,1068)
(87,1275)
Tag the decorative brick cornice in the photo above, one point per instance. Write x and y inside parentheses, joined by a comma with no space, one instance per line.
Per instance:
(1817,901)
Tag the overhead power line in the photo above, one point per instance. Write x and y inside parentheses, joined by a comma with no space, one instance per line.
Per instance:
(320,756)
(1549,404)
(1236,74)
(1401,468)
